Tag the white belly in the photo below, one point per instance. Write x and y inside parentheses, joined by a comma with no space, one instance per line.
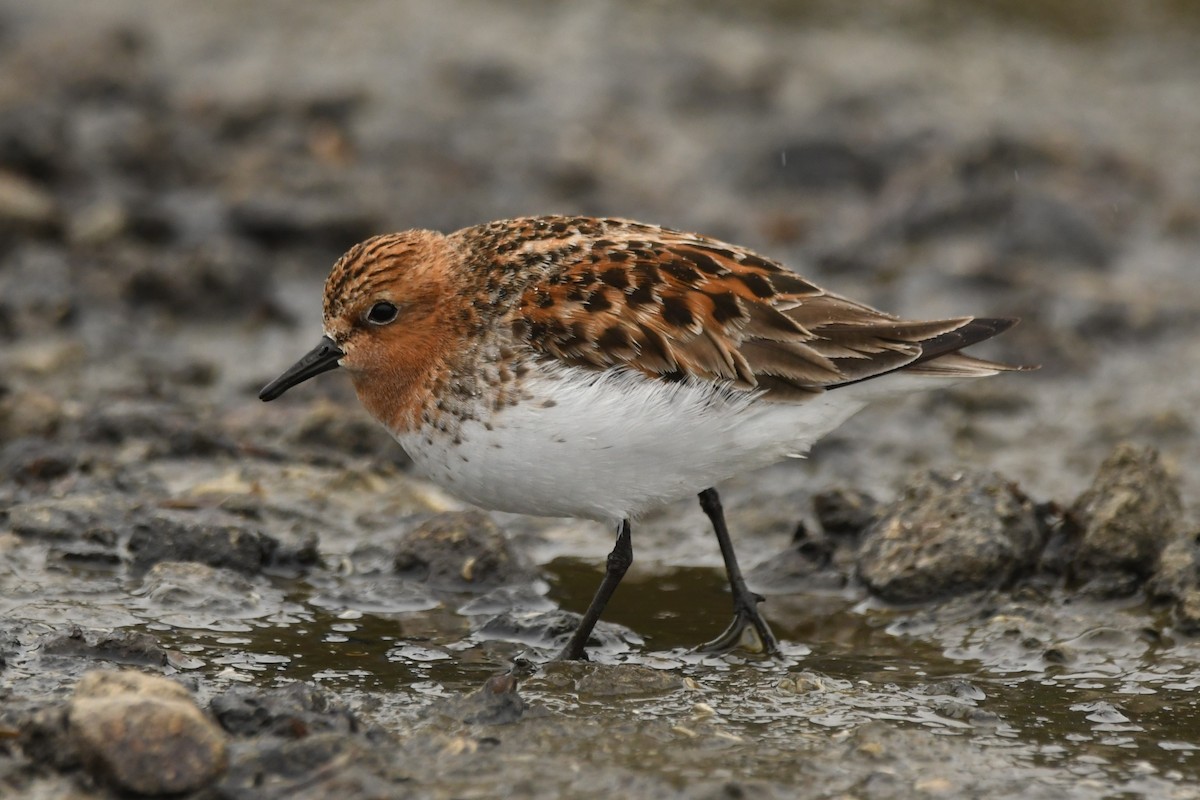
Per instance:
(613,445)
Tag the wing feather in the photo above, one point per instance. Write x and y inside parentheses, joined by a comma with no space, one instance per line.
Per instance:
(617,294)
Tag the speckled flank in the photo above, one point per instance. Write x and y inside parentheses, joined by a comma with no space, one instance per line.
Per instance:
(585,444)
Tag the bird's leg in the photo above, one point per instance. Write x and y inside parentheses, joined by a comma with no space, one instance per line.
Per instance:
(618,562)
(745,602)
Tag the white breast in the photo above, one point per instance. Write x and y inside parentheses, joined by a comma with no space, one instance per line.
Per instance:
(612,445)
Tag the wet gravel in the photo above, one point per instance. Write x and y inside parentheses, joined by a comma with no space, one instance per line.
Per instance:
(991,591)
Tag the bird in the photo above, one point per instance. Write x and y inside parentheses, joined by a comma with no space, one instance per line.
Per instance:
(597,368)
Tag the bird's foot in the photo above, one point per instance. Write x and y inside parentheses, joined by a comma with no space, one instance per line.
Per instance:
(570,653)
(748,628)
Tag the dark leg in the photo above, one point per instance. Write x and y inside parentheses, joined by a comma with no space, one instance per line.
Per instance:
(618,561)
(745,602)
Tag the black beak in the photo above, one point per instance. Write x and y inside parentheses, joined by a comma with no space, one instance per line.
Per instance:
(322,358)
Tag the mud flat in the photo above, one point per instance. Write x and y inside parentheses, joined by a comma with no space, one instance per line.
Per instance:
(992,591)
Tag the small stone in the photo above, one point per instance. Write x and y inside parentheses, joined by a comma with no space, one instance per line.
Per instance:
(332,426)
(208,536)
(1178,569)
(496,702)
(24,204)
(1187,613)
(98,223)
(32,461)
(954,687)
(293,711)
(460,551)
(43,738)
(1127,517)
(103,684)
(844,512)
(934,786)
(118,647)
(315,767)
(551,630)
(626,680)
(62,519)
(41,358)
(78,528)
(808,681)
(144,734)
(948,535)
(168,430)
(28,412)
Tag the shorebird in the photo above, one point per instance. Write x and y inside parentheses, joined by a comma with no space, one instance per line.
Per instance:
(598,368)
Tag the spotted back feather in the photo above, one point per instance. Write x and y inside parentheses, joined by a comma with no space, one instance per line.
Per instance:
(611,293)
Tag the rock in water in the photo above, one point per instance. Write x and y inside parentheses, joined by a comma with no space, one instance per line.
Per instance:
(144,734)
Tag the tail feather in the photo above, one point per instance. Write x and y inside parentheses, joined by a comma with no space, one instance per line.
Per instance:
(959,365)
(940,356)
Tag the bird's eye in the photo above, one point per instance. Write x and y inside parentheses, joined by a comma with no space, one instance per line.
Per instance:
(382,313)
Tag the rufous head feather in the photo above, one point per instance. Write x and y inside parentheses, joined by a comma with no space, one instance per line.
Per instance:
(389,308)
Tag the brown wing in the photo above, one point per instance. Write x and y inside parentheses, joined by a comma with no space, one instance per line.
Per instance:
(674,305)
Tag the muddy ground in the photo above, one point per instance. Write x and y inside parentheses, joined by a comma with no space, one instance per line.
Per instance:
(990,591)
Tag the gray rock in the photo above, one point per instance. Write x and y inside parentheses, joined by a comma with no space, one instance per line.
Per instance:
(43,738)
(35,461)
(1178,569)
(1177,581)
(947,535)
(169,431)
(495,703)
(844,511)
(64,519)
(461,552)
(315,767)
(1187,613)
(208,536)
(552,629)
(624,680)
(107,684)
(293,711)
(346,431)
(1126,518)
(118,647)
(144,734)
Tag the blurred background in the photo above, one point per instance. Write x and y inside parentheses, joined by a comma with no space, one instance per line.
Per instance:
(176,179)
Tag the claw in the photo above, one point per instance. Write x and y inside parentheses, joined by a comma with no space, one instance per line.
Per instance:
(748,628)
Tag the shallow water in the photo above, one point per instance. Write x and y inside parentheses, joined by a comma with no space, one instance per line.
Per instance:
(1112,703)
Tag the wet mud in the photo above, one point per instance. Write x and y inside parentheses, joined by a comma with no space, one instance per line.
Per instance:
(991,591)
